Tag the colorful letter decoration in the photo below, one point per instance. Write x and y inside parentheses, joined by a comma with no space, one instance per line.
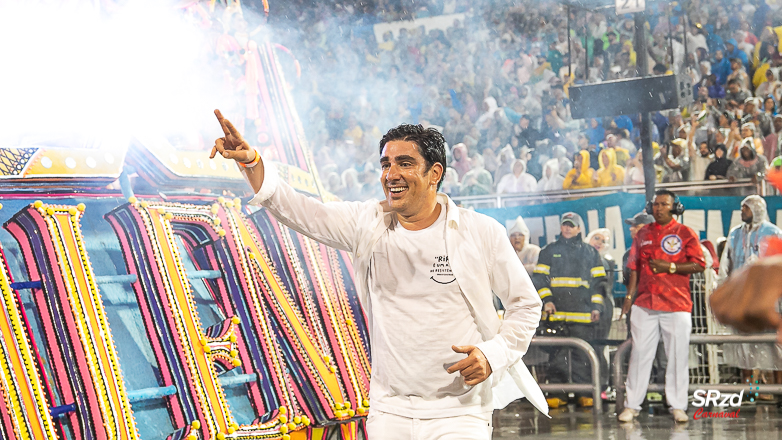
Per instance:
(165,298)
(24,406)
(78,339)
(317,273)
(298,372)
(293,322)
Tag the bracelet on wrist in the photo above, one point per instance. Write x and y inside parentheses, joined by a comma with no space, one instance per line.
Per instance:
(254,162)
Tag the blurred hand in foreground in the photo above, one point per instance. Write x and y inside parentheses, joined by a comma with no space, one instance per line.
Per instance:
(748,300)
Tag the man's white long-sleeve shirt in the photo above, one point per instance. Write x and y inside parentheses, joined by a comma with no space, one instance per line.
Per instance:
(418,313)
(480,256)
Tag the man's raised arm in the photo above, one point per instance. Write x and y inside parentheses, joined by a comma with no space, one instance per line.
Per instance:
(333,224)
(233,146)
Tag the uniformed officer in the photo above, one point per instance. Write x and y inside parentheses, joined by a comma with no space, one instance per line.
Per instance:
(571,281)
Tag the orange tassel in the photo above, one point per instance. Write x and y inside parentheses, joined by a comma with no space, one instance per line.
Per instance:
(774,177)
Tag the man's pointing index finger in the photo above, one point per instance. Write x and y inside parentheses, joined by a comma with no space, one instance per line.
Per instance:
(231,129)
(228,127)
(222,122)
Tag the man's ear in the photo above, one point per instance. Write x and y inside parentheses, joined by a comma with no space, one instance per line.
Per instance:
(436,173)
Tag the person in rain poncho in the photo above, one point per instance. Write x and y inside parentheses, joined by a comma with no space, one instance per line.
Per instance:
(530,102)
(477,181)
(676,164)
(600,239)
(634,173)
(560,153)
(748,136)
(609,174)
(489,107)
(451,185)
(718,169)
(506,163)
(749,165)
(518,233)
(595,133)
(519,181)
(551,180)
(744,245)
(744,241)
(581,176)
(721,67)
(351,187)
(461,161)
(612,142)
(732,51)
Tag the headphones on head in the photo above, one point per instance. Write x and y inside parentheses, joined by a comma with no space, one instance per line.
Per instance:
(676,209)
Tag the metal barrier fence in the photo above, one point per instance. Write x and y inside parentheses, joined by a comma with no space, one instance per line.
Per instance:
(619,360)
(580,344)
(624,348)
(704,359)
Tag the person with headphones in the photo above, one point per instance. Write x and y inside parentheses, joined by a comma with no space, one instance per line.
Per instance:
(662,257)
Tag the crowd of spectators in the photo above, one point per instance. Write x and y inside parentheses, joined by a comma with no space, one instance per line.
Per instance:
(496,84)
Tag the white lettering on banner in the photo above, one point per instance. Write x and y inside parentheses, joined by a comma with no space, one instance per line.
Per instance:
(695,220)
(592,222)
(535,225)
(615,224)
(714,229)
(552,228)
(735,220)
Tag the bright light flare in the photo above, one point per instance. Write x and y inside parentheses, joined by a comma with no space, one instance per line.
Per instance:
(70,70)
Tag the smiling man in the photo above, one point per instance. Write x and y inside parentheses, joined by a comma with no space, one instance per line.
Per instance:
(425,272)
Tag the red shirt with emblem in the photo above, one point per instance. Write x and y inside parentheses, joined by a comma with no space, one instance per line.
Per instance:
(676,243)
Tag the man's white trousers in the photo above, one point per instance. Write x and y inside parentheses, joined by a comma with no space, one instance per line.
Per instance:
(646,327)
(385,426)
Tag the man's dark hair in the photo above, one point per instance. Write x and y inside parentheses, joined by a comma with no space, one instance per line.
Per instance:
(431,144)
(665,192)
(734,81)
(659,69)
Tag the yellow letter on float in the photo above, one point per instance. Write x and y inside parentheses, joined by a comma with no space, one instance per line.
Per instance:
(24,408)
(75,328)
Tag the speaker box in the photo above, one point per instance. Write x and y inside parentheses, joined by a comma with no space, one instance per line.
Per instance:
(630,96)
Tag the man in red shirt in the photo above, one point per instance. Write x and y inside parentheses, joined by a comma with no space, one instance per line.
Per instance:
(662,257)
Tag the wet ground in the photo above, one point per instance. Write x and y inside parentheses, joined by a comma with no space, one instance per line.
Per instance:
(520,420)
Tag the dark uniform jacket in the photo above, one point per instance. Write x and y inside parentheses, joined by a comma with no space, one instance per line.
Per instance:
(570,274)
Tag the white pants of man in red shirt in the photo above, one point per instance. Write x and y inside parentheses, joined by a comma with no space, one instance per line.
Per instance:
(385,426)
(646,327)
